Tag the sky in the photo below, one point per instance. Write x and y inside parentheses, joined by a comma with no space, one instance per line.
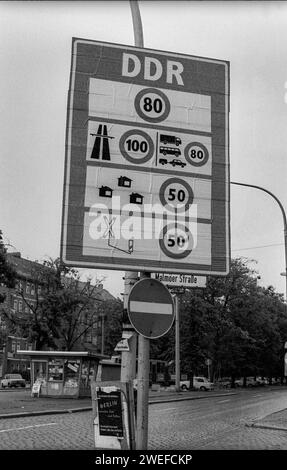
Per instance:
(35,55)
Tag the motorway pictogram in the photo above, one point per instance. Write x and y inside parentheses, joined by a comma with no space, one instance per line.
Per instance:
(101,147)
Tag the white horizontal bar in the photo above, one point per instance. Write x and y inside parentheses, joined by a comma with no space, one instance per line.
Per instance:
(151,307)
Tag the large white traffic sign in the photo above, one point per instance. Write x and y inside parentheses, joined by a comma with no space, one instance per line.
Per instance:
(147,161)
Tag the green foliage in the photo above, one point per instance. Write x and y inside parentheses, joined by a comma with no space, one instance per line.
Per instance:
(112,310)
(7,273)
(63,313)
(240,326)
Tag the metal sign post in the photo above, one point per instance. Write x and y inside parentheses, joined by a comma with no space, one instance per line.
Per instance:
(177,344)
(143,389)
(151,312)
(143,343)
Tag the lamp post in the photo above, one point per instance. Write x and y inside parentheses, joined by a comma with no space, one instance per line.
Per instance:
(284,221)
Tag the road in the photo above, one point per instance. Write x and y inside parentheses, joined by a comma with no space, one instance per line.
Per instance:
(218,423)
(205,424)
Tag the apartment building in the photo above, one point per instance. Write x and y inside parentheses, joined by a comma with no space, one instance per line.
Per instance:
(22,299)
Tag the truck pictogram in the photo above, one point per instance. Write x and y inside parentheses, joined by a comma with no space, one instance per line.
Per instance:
(169,139)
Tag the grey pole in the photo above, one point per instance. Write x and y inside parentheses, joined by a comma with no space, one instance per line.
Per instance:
(284,220)
(137,24)
(143,343)
(103,335)
(177,342)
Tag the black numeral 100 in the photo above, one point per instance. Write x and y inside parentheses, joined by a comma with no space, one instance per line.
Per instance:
(136,146)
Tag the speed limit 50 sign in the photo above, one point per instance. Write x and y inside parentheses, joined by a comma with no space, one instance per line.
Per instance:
(147,161)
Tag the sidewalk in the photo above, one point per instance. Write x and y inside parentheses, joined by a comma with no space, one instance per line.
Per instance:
(276,421)
(23,404)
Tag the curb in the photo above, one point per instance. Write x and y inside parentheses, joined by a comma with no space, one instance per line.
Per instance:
(23,414)
(266,426)
(189,398)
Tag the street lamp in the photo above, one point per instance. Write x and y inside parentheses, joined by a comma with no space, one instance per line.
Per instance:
(284,221)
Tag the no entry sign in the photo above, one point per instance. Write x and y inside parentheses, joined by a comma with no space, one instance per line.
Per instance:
(150,308)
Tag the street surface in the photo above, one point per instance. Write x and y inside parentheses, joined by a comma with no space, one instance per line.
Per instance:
(218,423)
(211,423)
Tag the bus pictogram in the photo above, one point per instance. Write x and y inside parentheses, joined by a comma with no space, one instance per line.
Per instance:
(170,151)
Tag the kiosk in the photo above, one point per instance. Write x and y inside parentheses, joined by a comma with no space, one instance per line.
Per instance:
(62,373)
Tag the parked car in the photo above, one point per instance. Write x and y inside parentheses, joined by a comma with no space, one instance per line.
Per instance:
(185,384)
(250,382)
(13,380)
(223,383)
(261,381)
(276,381)
(202,383)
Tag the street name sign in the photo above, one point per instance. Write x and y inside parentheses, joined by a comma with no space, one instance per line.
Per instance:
(180,280)
(146,184)
(150,308)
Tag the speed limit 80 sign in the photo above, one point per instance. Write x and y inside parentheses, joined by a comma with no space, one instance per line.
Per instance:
(147,158)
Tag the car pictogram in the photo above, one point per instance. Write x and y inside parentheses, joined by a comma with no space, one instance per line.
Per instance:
(176,162)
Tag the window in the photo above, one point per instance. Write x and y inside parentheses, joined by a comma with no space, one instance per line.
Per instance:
(20,305)
(71,372)
(55,370)
(27,287)
(32,289)
(18,346)
(40,371)
(89,336)
(13,346)
(19,285)
(15,305)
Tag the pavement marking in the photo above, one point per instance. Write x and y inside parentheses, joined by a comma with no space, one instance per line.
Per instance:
(165,409)
(222,401)
(27,427)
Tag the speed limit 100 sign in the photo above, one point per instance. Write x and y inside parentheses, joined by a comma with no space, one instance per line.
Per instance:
(146,181)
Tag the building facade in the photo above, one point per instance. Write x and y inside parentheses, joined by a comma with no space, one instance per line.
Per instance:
(25,298)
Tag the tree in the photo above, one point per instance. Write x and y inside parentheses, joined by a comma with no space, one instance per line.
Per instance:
(64,309)
(112,311)
(7,273)
(240,326)
(7,279)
